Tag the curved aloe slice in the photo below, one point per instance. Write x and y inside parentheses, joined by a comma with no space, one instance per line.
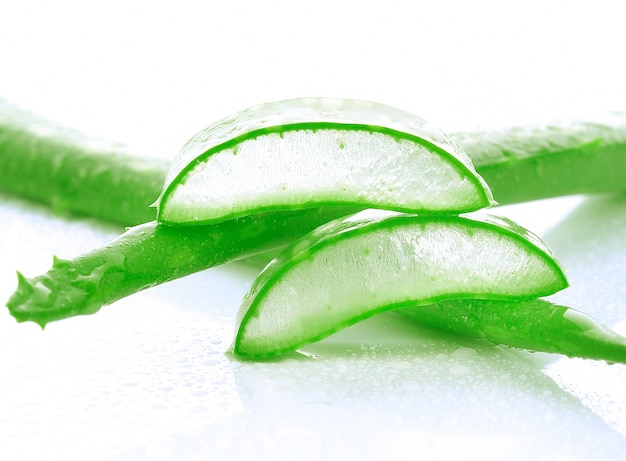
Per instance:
(355,267)
(303,153)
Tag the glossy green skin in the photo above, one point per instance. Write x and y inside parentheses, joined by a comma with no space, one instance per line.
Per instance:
(48,163)
(537,325)
(151,254)
(535,162)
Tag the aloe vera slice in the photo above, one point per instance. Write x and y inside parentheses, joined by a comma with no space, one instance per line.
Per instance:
(303,153)
(374,261)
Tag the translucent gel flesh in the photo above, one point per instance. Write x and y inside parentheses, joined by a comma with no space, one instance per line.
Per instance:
(408,264)
(306,167)
(310,111)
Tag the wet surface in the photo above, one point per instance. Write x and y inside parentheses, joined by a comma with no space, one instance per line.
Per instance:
(149,376)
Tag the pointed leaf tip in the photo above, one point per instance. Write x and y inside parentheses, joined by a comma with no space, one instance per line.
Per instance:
(24,285)
(58,263)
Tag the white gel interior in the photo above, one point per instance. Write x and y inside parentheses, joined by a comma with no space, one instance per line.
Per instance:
(391,266)
(328,165)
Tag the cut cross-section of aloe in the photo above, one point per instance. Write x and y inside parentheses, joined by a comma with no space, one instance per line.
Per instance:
(374,261)
(311,152)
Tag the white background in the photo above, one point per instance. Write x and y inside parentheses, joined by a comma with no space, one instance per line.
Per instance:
(146,378)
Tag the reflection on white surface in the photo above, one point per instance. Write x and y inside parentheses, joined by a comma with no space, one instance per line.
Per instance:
(91,391)
(404,391)
(598,386)
(591,243)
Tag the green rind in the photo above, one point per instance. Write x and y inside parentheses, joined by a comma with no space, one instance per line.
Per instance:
(242,352)
(48,163)
(148,255)
(535,325)
(334,231)
(534,162)
(339,230)
(484,197)
(306,110)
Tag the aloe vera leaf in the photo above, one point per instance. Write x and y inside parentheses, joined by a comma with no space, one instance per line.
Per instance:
(148,255)
(536,325)
(527,163)
(52,164)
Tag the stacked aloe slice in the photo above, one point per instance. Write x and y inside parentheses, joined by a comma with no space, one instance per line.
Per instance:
(412,245)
